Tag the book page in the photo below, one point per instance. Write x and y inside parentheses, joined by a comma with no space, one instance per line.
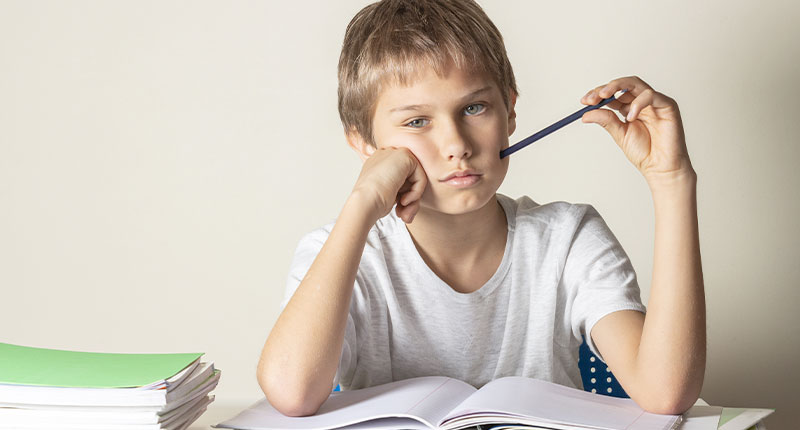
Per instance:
(507,400)
(426,399)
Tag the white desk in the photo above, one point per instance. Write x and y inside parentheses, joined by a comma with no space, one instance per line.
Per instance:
(217,412)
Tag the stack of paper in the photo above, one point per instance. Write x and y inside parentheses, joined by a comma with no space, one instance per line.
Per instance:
(54,389)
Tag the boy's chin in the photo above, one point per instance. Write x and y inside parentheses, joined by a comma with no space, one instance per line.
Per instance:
(458,203)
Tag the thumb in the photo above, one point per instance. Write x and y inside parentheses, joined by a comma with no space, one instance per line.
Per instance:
(608,120)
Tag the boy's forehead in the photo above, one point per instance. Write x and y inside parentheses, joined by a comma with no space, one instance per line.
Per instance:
(428,86)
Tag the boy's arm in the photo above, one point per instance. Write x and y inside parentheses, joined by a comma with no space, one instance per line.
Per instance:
(301,354)
(660,359)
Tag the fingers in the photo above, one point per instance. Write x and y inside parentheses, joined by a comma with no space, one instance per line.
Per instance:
(646,98)
(415,184)
(407,213)
(608,120)
(409,197)
(630,104)
(633,84)
(597,94)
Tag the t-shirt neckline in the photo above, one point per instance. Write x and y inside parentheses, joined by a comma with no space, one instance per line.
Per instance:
(491,284)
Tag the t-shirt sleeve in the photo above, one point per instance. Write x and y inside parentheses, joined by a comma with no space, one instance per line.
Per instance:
(307,250)
(600,275)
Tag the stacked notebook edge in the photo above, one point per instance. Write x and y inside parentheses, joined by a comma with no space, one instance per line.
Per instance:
(55,389)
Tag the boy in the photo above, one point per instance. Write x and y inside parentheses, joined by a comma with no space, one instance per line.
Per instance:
(459,280)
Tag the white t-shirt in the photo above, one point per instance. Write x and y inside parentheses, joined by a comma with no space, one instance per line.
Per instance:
(562,270)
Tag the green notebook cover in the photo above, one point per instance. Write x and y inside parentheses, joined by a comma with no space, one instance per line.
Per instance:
(729,414)
(25,365)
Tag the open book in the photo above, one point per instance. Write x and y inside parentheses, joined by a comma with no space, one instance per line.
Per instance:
(433,402)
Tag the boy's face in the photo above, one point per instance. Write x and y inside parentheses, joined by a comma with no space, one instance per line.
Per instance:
(452,123)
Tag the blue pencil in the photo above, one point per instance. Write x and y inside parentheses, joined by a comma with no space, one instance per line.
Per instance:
(544,132)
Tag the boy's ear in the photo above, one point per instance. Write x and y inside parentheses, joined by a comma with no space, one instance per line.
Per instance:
(512,114)
(359,144)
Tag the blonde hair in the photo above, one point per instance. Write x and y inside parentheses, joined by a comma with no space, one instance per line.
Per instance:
(388,41)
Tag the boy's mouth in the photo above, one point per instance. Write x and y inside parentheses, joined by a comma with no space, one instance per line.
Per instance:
(462,178)
(461,174)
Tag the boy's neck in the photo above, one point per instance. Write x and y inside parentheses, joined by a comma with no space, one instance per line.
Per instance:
(457,242)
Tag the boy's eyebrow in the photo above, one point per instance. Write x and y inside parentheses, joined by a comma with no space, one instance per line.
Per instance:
(416,107)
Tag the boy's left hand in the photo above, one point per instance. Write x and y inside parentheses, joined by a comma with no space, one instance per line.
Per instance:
(652,138)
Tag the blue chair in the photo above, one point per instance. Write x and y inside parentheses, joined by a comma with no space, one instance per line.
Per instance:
(596,376)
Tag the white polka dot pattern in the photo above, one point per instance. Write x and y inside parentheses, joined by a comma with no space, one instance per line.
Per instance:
(590,365)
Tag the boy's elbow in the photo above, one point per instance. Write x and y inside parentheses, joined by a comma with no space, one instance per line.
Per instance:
(293,406)
(666,393)
(668,408)
(665,403)
(285,397)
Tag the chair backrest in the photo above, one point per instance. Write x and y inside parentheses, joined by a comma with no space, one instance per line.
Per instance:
(596,376)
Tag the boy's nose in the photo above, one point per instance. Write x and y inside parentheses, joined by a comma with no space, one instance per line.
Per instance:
(456,145)
(459,154)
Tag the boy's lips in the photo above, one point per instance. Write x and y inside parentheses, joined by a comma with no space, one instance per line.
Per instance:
(462,178)
(460,173)
(463,181)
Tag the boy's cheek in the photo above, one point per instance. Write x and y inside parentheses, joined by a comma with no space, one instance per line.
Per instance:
(426,155)
(418,147)
(396,140)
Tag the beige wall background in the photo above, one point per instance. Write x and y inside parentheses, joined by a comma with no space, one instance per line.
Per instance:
(159,161)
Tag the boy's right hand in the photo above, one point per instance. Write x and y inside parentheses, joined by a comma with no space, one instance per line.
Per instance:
(391,175)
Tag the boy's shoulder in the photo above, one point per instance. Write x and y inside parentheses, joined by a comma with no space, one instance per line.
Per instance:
(555,214)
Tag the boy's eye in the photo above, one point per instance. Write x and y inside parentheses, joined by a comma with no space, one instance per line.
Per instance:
(474,109)
(417,123)
(470,110)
